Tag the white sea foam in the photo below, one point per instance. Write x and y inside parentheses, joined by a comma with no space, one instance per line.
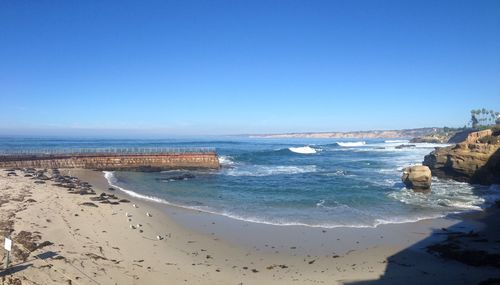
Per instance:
(340,173)
(404,220)
(226,160)
(445,195)
(351,144)
(303,150)
(352,224)
(112,181)
(396,141)
(267,170)
(431,145)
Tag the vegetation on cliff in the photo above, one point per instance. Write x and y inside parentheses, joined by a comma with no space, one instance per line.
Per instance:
(483,117)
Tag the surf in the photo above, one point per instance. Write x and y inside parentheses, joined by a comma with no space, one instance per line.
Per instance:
(351,144)
(303,150)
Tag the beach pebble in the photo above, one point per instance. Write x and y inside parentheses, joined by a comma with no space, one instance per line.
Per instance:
(132,227)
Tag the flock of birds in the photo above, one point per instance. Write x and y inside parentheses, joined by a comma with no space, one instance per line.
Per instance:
(133,227)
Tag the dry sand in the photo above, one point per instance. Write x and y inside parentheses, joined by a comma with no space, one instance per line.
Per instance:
(96,245)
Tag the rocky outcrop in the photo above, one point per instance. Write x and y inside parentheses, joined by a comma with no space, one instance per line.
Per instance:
(417,178)
(476,160)
(431,139)
(442,136)
(475,137)
(460,136)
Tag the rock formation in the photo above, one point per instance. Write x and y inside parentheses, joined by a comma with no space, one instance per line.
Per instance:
(417,178)
(475,160)
(430,139)
(460,136)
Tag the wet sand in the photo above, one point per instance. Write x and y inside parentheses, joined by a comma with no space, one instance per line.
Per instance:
(96,245)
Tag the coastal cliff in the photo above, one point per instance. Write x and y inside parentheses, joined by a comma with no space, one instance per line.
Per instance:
(374,134)
(445,135)
(475,160)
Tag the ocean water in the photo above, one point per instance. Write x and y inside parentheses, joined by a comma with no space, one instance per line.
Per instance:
(319,183)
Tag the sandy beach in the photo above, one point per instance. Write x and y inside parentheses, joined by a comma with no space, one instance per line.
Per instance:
(65,238)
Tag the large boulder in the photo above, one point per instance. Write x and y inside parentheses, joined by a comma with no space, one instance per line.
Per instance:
(417,178)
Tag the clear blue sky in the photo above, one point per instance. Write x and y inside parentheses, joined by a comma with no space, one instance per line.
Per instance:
(229,67)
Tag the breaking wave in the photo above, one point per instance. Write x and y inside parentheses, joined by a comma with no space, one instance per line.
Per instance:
(303,150)
(396,141)
(226,160)
(351,144)
(267,170)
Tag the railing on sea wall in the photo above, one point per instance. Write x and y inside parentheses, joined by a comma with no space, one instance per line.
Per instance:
(105,151)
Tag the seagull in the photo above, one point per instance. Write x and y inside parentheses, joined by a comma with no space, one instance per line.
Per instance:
(148,214)
(128,215)
(158,237)
(139,225)
(135,206)
(132,227)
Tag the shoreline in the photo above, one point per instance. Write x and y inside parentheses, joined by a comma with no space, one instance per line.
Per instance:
(160,201)
(207,249)
(235,230)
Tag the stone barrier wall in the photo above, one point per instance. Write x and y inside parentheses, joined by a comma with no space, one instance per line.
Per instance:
(141,162)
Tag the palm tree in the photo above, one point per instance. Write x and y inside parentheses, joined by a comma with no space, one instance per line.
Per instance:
(473,120)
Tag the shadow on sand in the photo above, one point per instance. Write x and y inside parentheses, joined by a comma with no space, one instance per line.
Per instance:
(465,253)
(15,269)
(26,264)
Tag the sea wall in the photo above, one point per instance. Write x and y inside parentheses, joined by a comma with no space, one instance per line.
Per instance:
(140,162)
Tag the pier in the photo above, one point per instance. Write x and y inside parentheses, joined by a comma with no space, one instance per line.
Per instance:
(125,158)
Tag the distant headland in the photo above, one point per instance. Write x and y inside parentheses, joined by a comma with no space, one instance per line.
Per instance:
(441,134)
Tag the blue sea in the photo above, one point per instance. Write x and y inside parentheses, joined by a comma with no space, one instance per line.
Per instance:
(312,182)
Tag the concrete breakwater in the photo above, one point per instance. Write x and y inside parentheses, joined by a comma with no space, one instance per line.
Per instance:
(106,161)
